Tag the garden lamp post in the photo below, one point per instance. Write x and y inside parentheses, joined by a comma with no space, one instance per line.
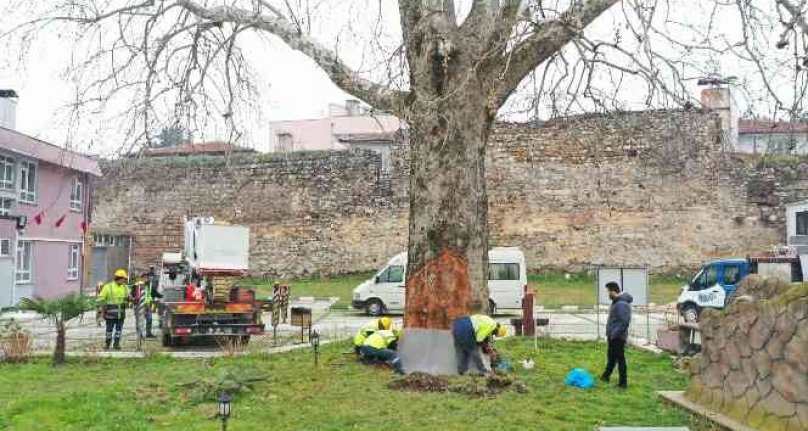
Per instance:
(224,409)
(315,341)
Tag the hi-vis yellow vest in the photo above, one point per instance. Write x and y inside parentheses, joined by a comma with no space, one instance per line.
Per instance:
(484,326)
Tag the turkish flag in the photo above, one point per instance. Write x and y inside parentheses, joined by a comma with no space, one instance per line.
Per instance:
(38,218)
(60,221)
(84,227)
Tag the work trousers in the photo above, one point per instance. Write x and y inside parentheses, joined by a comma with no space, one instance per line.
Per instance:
(114,330)
(466,347)
(387,356)
(616,356)
(147,314)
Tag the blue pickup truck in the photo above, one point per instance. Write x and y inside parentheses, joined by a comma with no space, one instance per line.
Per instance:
(718,279)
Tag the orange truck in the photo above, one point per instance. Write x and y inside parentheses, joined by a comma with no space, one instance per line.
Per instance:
(215,257)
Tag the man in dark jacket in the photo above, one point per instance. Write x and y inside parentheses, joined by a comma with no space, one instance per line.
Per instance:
(617,333)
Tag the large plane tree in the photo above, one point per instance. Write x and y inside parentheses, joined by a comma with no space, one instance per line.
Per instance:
(458,66)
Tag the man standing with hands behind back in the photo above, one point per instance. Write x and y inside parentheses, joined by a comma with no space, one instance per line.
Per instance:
(617,333)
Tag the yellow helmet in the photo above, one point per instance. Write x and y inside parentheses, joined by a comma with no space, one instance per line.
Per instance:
(385,323)
(501,331)
(121,273)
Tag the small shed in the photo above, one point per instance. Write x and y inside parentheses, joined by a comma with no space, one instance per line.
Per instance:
(797,226)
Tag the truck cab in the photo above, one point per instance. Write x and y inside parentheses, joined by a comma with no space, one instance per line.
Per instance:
(711,286)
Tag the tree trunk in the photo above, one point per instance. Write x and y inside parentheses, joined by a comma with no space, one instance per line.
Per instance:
(59,351)
(448,232)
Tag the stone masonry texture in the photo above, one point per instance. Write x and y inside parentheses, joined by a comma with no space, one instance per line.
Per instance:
(636,188)
(754,362)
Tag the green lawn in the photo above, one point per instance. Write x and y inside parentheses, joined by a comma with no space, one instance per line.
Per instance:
(339,394)
(553,289)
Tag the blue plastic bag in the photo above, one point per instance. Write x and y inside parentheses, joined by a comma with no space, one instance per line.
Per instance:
(580,378)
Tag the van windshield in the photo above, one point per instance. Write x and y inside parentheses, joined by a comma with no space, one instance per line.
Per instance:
(393,274)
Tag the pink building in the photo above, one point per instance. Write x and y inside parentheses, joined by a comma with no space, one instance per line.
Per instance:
(44,213)
(348,126)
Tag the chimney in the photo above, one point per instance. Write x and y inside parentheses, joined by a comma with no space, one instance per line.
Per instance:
(352,106)
(8,109)
(719,99)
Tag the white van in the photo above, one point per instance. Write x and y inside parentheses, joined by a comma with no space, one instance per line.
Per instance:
(507,280)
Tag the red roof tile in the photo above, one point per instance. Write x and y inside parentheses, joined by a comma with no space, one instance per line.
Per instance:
(213,147)
(746,126)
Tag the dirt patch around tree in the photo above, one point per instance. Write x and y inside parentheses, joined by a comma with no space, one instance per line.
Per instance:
(474,386)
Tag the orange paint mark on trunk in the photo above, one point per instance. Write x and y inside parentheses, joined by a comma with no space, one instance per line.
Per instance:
(439,292)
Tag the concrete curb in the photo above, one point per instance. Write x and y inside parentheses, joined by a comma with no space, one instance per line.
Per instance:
(678,398)
(179,355)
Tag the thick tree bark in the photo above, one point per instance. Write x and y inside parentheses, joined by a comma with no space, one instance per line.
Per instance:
(449,118)
(448,229)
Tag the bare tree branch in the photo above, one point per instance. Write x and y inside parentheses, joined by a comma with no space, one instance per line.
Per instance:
(548,38)
(377,95)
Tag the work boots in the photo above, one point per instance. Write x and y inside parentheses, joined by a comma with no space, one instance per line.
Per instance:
(117,344)
(107,342)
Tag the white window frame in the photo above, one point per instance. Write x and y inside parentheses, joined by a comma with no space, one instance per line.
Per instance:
(5,243)
(8,165)
(76,194)
(24,276)
(73,261)
(28,194)
(3,210)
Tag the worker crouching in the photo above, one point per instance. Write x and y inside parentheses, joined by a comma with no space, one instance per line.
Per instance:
(383,323)
(470,334)
(112,302)
(380,347)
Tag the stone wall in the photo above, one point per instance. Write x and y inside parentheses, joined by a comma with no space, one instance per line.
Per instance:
(628,188)
(308,213)
(754,362)
(649,188)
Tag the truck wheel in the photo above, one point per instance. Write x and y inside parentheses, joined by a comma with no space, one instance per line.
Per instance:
(374,307)
(244,340)
(166,340)
(690,313)
(492,308)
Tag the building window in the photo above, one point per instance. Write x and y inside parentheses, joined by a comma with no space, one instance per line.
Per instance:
(802,223)
(503,271)
(285,142)
(7,169)
(76,193)
(28,182)
(5,247)
(25,260)
(5,206)
(73,257)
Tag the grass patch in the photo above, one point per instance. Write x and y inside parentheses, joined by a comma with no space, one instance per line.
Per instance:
(553,289)
(341,286)
(340,394)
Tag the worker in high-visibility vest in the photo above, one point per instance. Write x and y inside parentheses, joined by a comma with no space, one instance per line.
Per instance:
(470,333)
(380,346)
(149,292)
(112,300)
(371,327)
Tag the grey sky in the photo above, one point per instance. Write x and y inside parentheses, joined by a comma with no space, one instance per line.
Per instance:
(363,32)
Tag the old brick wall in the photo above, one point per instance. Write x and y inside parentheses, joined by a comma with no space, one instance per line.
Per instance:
(629,188)
(754,362)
